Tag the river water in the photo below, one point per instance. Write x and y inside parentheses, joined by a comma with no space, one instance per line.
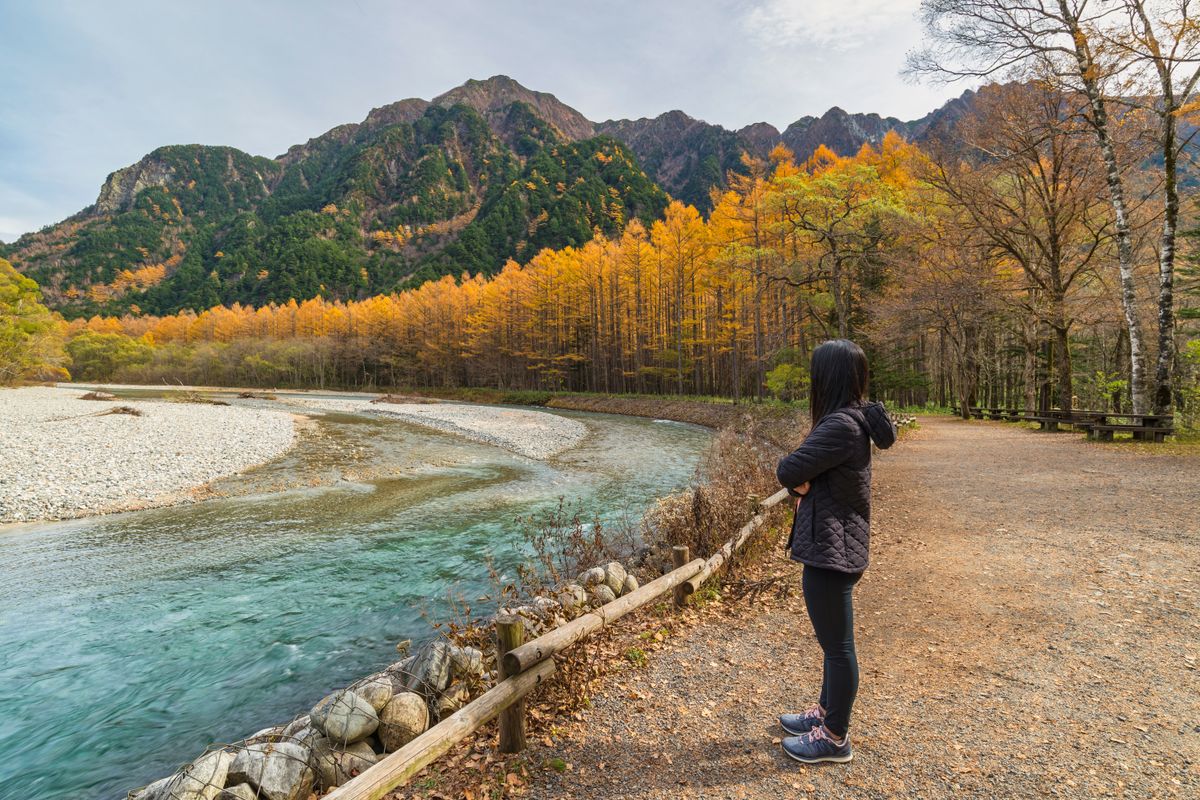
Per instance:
(130,642)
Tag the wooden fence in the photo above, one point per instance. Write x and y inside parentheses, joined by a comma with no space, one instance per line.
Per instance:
(523,666)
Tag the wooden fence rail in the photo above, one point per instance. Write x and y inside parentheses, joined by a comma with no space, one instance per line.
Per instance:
(526,666)
(726,552)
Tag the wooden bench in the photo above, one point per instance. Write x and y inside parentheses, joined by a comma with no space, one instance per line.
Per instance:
(1104,432)
(1098,424)
(1144,427)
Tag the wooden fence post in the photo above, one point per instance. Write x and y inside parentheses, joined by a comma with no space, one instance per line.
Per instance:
(680,556)
(510,633)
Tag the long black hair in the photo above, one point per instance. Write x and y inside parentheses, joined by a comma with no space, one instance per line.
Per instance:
(839,376)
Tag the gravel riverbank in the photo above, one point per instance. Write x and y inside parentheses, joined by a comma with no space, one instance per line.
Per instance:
(534,434)
(62,457)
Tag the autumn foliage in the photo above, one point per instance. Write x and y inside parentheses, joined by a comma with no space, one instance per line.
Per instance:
(969,277)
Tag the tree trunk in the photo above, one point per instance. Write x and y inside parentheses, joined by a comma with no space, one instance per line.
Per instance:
(1116,190)
(1063,363)
(1166,271)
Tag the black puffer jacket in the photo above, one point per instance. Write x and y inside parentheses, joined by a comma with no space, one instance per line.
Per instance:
(832,527)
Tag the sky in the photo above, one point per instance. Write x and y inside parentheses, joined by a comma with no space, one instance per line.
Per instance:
(90,86)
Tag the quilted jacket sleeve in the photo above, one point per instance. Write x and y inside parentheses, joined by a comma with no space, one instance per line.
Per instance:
(829,444)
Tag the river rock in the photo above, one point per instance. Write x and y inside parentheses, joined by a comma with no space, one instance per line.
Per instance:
(430,671)
(630,585)
(274,734)
(376,689)
(203,779)
(531,616)
(345,717)
(303,736)
(153,791)
(452,700)
(404,718)
(335,765)
(614,576)
(296,725)
(400,672)
(547,607)
(572,597)
(373,742)
(601,594)
(591,577)
(466,662)
(242,791)
(278,771)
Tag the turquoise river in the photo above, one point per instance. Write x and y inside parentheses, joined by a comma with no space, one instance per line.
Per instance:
(130,642)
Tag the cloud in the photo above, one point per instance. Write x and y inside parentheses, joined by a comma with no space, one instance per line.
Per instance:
(829,24)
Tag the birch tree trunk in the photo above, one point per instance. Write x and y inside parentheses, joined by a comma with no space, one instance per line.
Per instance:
(1116,190)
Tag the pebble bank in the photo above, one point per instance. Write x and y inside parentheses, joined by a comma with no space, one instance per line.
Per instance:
(534,434)
(62,457)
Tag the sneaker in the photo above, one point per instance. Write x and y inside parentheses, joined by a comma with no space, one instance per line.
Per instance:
(797,724)
(816,746)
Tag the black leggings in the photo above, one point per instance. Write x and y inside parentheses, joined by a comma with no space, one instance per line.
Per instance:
(828,596)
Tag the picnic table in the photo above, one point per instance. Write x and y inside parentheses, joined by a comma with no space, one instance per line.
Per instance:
(1099,425)
(1144,427)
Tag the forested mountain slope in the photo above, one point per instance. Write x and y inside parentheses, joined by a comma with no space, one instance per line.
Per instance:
(485,172)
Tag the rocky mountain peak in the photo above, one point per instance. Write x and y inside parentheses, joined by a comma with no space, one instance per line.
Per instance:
(760,138)
(493,96)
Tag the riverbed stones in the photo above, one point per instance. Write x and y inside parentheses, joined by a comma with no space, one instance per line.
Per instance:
(333,765)
(400,672)
(295,726)
(547,607)
(601,594)
(614,576)
(404,718)
(591,577)
(572,597)
(200,780)
(429,674)
(376,689)
(452,700)
(303,736)
(62,459)
(153,791)
(345,717)
(242,791)
(466,662)
(273,734)
(277,771)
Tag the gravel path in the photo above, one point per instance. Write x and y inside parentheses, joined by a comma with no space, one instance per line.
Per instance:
(534,434)
(59,460)
(1028,627)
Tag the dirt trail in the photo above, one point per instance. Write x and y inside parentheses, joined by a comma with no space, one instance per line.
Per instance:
(1029,627)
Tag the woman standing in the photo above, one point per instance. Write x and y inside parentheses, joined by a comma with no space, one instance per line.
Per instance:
(830,474)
